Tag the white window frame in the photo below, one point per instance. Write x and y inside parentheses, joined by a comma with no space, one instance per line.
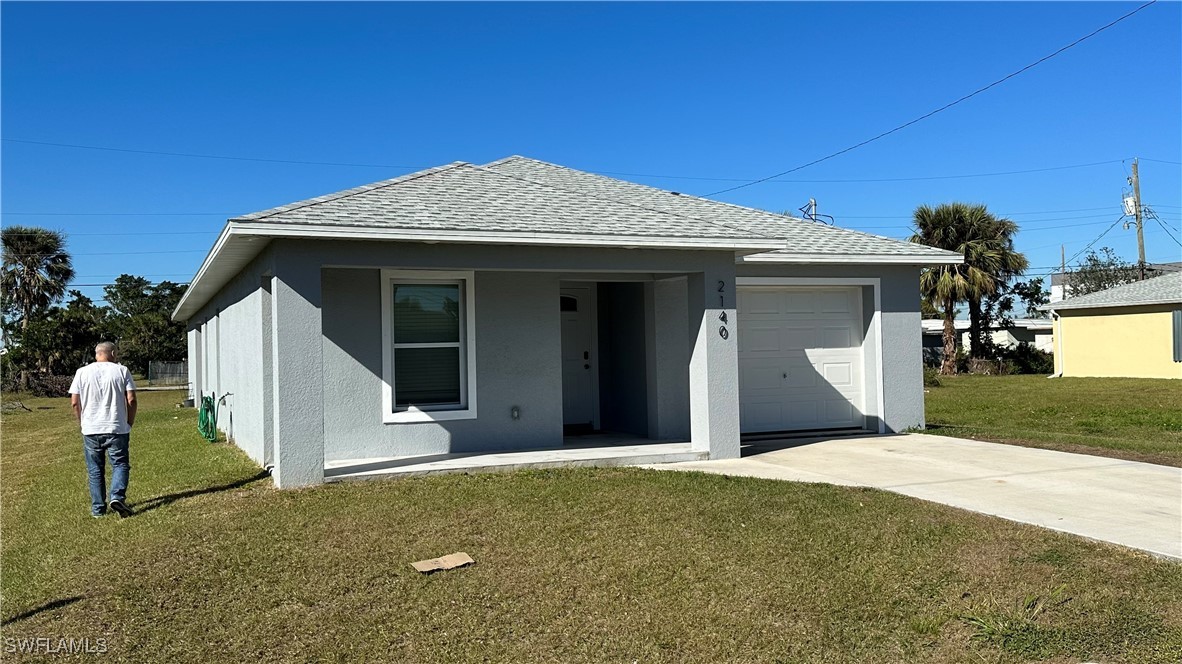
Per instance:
(465,411)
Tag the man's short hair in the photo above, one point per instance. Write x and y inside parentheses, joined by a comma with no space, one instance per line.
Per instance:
(106,348)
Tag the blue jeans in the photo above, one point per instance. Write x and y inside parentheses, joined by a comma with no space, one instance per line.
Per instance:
(114,445)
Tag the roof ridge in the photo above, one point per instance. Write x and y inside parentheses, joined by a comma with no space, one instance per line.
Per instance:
(708,200)
(346,193)
(486,167)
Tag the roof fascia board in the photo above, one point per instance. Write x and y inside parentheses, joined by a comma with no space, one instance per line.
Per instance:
(192,300)
(892,259)
(210,258)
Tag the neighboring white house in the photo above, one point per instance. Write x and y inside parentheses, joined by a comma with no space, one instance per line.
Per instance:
(1037,332)
(471,308)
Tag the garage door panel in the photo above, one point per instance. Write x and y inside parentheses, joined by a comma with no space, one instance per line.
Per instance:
(838,374)
(798,338)
(836,302)
(760,302)
(800,358)
(838,412)
(761,416)
(804,412)
(799,302)
(760,376)
(836,336)
(759,338)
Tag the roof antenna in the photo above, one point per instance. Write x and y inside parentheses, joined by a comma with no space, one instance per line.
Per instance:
(810,213)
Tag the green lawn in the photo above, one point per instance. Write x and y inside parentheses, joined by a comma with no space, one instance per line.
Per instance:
(1128,418)
(584,565)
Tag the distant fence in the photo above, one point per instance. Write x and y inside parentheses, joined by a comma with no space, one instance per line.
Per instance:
(168,373)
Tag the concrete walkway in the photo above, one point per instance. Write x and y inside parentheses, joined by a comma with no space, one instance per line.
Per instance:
(1138,505)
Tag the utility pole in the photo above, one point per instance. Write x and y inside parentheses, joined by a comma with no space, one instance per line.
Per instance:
(1136,182)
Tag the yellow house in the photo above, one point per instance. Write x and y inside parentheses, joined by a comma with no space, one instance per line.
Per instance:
(1133,330)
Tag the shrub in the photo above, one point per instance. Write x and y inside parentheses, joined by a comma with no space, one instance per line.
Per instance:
(931,377)
(988,367)
(1026,359)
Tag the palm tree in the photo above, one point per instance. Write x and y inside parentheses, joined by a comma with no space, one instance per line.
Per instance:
(969,230)
(35,272)
(1004,263)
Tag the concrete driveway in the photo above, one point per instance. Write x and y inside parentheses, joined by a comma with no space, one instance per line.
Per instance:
(1138,505)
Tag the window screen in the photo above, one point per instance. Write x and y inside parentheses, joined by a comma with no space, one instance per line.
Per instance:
(428,351)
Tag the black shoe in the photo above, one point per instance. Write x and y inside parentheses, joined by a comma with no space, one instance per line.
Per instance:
(121,509)
(98,515)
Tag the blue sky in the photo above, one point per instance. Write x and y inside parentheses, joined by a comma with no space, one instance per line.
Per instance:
(650,90)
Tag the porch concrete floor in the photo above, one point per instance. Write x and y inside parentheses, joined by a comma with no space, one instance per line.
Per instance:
(584,451)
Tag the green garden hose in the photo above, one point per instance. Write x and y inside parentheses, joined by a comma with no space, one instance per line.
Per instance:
(207,416)
(207,419)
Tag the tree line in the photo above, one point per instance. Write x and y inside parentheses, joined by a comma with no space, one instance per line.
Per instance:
(50,331)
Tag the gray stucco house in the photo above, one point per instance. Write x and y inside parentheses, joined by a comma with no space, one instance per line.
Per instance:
(472,308)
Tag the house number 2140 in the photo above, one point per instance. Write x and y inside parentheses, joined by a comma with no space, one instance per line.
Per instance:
(722,331)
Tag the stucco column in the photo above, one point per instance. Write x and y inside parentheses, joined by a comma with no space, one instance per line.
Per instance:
(297,372)
(714,361)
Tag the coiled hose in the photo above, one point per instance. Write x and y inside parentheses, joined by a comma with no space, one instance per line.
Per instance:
(207,419)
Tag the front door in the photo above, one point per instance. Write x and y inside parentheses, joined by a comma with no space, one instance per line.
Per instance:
(577,402)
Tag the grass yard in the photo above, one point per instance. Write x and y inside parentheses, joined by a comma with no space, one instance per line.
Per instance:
(585,565)
(1127,418)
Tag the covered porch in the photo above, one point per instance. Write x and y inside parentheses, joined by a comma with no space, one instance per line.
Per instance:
(554,365)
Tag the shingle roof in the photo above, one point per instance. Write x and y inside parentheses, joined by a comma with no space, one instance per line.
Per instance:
(1166,289)
(466,197)
(520,201)
(1060,278)
(517,195)
(802,237)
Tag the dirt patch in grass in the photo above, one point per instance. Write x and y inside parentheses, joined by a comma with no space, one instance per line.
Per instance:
(571,565)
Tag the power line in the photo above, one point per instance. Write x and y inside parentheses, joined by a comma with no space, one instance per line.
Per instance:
(1026,225)
(1090,244)
(1004,214)
(104,285)
(854,180)
(942,108)
(208,156)
(126,253)
(621,173)
(72,234)
(99,276)
(1153,215)
(1162,161)
(842,216)
(119,214)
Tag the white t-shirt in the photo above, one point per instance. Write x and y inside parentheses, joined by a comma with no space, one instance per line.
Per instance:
(102,387)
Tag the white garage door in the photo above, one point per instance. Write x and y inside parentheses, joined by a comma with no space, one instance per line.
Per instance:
(800,358)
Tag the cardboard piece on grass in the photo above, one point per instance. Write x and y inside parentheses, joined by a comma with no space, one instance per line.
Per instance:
(450,561)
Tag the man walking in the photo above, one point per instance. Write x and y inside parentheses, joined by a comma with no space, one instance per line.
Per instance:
(103,398)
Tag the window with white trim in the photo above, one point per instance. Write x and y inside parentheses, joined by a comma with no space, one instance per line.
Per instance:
(429,343)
